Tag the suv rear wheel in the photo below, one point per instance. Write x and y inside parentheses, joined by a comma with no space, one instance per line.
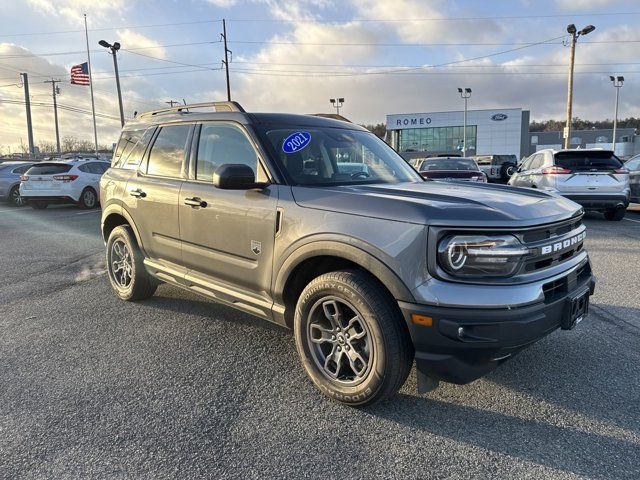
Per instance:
(507,170)
(38,204)
(127,274)
(615,215)
(351,339)
(14,197)
(88,198)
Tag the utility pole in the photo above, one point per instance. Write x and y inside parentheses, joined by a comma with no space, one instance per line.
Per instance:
(55,91)
(337,103)
(171,103)
(464,93)
(617,82)
(27,102)
(574,34)
(226,57)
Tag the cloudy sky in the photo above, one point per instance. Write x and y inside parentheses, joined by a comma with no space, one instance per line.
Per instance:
(383,56)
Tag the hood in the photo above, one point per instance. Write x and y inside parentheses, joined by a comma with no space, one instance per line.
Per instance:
(438,203)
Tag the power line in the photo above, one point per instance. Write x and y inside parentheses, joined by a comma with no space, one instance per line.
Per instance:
(413,45)
(363,20)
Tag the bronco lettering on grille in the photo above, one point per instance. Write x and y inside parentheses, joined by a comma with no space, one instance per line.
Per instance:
(563,245)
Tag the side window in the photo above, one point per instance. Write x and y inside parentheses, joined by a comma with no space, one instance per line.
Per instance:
(536,162)
(220,144)
(94,167)
(21,170)
(167,152)
(127,142)
(86,168)
(134,157)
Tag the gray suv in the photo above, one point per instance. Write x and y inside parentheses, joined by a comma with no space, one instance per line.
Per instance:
(370,265)
(594,178)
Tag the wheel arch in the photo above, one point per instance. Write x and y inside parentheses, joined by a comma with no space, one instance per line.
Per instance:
(113,216)
(319,257)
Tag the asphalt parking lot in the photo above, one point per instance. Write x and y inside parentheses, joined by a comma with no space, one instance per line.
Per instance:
(179,387)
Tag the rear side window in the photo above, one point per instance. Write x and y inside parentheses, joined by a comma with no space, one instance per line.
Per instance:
(127,142)
(604,160)
(167,153)
(49,169)
(21,170)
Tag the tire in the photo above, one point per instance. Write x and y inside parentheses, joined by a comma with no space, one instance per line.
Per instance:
(38,204)
(374,333)
(507,170)
(614,215)
(14,198)
(88,199)
(131,281)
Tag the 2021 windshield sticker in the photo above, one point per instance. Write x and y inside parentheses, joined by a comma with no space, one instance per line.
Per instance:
(296,142)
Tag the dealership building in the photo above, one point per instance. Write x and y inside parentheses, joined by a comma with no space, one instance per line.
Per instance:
(496,131)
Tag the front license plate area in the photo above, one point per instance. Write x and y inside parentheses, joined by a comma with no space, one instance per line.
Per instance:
(577,309)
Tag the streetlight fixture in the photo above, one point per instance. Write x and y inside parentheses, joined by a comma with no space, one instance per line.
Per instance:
(574,33)
(617,82)
(464,93)
(114,48)
(337,103)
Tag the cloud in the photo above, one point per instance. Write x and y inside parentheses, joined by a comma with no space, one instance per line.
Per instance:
(579,5)
(414,29)
(133,40)
(73,10)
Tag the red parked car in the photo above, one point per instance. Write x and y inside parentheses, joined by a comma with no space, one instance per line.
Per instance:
(451,169)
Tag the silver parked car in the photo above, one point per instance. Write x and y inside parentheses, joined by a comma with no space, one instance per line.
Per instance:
(633,165)
(10,173)
(596,179)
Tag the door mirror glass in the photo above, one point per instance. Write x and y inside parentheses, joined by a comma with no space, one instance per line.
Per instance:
(234,176)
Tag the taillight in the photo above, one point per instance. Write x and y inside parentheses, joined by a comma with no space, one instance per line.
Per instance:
(555,171)
(24,178)
(478,178)
(65,178)
(621,170)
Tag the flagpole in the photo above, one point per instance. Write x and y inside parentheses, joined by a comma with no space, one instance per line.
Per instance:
(93,105)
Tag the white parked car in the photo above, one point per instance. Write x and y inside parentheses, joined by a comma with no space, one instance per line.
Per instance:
(75,181)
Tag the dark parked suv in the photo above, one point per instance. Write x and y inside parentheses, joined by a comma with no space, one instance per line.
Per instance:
(371,266)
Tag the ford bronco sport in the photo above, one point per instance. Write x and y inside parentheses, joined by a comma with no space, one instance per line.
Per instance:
(371,267)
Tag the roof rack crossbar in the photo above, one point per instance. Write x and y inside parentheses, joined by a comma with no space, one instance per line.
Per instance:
(218,106)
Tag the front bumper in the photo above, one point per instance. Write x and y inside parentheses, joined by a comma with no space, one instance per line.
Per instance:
(489,335)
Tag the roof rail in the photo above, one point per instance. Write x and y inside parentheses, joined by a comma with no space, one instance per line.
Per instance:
(218,106)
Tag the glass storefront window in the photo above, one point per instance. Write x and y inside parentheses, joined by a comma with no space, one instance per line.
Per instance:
(437,139)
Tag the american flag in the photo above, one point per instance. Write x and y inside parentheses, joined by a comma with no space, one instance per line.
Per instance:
(80,74)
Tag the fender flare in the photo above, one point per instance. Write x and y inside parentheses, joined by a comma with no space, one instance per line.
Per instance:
(344,250)
(121,211)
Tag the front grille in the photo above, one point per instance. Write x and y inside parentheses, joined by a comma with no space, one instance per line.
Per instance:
(558,288)
(550,236)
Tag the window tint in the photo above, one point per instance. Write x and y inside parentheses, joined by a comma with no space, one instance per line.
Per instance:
(103,166)
(127,142)
(599,160)
(449,164)
(21,169)
(220,144)
(633,164)
(167,153)
(85,168)
(49,169)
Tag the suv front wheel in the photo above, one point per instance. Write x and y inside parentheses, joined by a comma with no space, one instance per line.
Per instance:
(125,265)
(615,215)
(351,338)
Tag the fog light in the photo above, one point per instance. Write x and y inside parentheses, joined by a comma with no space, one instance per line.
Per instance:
(461,332)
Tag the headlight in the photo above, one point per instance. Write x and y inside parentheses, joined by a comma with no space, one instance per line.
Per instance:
(481,255)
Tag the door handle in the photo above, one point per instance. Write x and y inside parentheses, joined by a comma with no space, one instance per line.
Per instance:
(195,202)
(137,193)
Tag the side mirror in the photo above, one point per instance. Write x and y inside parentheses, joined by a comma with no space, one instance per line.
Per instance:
(235,176)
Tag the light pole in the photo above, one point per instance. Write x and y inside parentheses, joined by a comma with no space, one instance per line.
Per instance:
(617,82)
(114,48)
(571,29)
(55,92)
(464,93)
(337,103)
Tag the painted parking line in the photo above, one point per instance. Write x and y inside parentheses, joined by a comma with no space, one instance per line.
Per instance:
(631,220)
(90,211)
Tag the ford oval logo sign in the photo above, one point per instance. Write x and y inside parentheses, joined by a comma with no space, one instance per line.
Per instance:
(296,142)
(498,117)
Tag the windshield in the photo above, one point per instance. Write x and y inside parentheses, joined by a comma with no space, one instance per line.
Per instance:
(336,156)
(599,160)
(448,164)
